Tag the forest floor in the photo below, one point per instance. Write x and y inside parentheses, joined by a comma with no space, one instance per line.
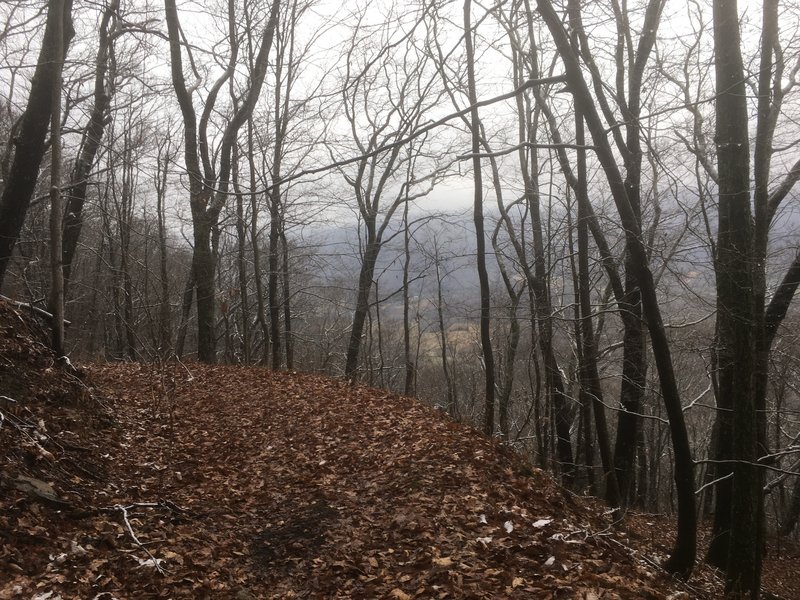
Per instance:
(146,481)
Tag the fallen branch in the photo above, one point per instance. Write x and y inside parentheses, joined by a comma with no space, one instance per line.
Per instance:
(34,309)
(123,510)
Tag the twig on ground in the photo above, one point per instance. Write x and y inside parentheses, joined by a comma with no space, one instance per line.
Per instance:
(188,372)
(123,510)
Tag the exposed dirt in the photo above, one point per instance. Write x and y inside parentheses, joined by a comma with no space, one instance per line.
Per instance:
(226,482)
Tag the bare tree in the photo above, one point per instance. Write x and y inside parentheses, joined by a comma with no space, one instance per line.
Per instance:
(30,140)
(683,556)
(208,188)
(379,110)
(91,138)
(166,154)
(477,217)
(746,323)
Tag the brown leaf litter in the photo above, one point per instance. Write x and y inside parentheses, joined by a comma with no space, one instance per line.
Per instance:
(173,481)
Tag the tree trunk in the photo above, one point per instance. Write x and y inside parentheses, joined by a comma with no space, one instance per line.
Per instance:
(90,144)
(408,383)
(203,265)
(477,214)
(241,260)
(186,309)
(30,141)
(288,341)
(56,303)
(165,311)
(736,316)
(589,373)
(125,218)
(634,375)
(272,277)
(452,407)
(506,384)
(371,252)
(257,277)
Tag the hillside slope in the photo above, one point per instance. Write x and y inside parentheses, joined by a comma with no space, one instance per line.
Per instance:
(242,483)
(225,482)
(307,486)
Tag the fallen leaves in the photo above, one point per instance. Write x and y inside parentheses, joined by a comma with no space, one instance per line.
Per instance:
(294,486)
(242,483)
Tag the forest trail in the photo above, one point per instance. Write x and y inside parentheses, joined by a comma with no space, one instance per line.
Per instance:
(303,485)
(282,485)
(230,482)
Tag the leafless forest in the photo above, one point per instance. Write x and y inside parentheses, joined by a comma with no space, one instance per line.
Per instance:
(570,223)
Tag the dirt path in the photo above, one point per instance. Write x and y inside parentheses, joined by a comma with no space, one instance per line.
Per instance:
(300,485)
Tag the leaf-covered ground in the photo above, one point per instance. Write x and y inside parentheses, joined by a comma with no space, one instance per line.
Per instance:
(227,482)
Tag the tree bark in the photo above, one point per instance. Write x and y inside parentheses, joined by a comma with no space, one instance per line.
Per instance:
(452,406)
(257,276)
(272,275)
(589,373)
(165,310)
(371,252)
(288,340)
(741,353)
(186,309)
(241,260)
(408,381)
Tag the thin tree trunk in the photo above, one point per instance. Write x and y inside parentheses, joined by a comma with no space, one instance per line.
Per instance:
(125,217)
(408,384)
(56,303)
(186,309)
(94,319)
(477,212)
(381,357)
(452,407)
(241,260)
(165,311)
(272,277)
(288,341)
(257,278)
(589,374)
(506,384)
(538,282)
